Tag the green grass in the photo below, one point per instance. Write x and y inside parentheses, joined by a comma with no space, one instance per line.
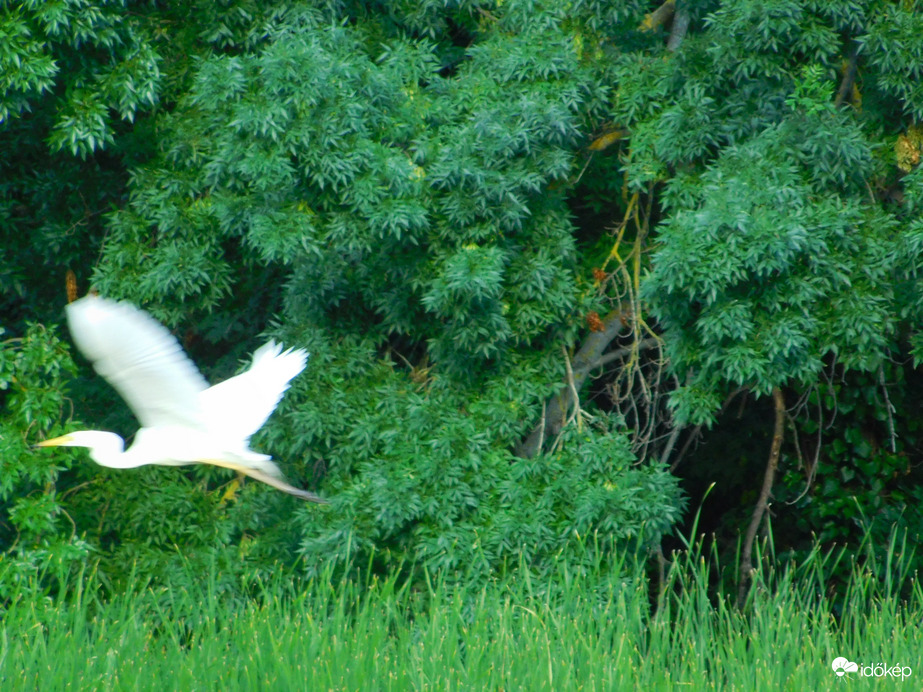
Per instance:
(596,630)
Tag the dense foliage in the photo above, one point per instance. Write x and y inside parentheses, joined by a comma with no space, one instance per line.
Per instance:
(504,230)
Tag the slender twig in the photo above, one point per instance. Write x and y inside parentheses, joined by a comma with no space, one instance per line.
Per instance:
(696,431)
(573,389)
(583,170)
(541,426)
(674,431)
(812,469)
(668,449)
(889,408)
(70,519)
(693,436)
(620,353)
(80,486)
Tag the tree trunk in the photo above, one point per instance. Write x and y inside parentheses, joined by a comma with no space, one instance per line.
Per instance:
(585,360)
(762,504)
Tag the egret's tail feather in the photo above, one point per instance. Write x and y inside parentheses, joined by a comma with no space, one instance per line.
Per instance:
(285,487)
(275,482)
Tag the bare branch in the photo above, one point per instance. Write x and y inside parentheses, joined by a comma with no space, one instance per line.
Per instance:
(693,436)
(575,396)
(555,412)
(668,449)
(889,407)
(844,93)
(541,426)
(620,353)
(679,29)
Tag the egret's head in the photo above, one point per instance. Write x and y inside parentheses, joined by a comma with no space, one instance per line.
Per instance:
(100,443)
(63,441)
(75,439)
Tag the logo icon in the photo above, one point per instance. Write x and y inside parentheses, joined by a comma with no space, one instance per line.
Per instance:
(841,666)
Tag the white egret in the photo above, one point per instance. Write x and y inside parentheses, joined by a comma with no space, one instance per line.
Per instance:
(183,420)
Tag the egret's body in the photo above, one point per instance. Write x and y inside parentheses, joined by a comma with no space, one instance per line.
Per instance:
(184,421)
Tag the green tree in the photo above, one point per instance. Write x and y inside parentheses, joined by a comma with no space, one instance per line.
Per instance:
(784,254)
(507,231)
(38,535)
(396,198)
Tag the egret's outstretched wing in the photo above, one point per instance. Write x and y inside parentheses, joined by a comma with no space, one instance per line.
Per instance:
(239,406)
(141,359)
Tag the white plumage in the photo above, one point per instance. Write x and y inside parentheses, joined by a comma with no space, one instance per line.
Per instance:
(183,419)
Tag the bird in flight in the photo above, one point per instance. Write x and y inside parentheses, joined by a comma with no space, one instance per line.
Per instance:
(183,419)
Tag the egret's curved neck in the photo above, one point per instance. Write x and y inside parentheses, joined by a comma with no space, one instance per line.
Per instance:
(106,449)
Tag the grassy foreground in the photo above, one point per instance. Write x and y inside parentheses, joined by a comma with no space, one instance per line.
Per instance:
(592,631)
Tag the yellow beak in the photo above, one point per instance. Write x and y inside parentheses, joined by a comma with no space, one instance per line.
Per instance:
(56,441)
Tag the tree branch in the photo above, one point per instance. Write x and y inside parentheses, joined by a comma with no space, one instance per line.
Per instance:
(844,93)
(671,443)
(621,353)
(679,29)
(698,429)
(658,17)
(584,361)
(762,504)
